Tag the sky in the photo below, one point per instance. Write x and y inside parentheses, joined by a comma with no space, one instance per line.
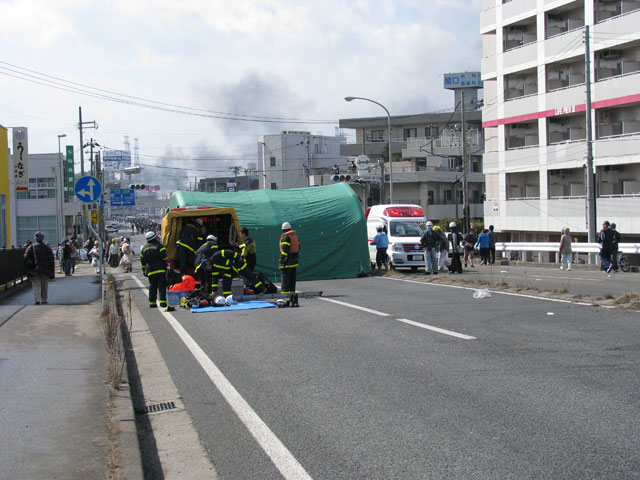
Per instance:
(198,82)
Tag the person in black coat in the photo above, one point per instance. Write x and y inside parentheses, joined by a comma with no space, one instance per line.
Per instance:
(40,265)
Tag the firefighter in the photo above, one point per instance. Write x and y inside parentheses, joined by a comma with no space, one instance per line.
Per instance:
(248,249)
(153,258)
(190,240)
(224,264)
(203,262)
(289,255)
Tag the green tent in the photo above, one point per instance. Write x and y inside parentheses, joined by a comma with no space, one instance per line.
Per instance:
(329,221)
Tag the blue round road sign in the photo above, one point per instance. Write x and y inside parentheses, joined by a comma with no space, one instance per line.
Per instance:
(88,189)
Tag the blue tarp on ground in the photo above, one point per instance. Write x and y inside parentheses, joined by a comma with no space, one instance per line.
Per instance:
(237,306)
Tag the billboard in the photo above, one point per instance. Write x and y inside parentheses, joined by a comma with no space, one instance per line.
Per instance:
(462,80)
(21,158)
(70,179)
(114,160)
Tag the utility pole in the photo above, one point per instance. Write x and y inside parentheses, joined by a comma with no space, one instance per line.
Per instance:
(466,221)
(80,127)
(591,187)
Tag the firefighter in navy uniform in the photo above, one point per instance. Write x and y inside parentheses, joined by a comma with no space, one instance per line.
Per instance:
(190,240)
(153,258)
(203,262)
(224,263)
(289,256)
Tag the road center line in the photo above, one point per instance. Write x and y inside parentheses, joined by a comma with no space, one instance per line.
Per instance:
(357,307)
(436,329)
(284,461)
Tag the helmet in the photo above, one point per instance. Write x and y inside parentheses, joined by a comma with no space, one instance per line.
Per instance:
(96,243)
(380,227)
(452,225)
(286,226)
(229,300)
(113,240)
(203,303)
(212,238)
(429,224)
(220,301)
(150,235)
(437,228)
(39,236)
(199,221)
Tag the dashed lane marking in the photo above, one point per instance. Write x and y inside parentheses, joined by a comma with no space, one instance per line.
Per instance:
(437,329)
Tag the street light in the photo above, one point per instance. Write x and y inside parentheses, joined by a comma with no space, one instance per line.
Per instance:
(62,175)
(348,99)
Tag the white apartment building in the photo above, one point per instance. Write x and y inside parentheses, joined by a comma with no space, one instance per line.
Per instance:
(534,115)
(294,159)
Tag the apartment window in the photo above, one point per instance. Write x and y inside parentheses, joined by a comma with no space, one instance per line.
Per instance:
(523,134)
(431,131)
(448,196)
(410,133)
(27,226)
(39,188)
(431,197)
(377,135)
(272,161)
(274,186)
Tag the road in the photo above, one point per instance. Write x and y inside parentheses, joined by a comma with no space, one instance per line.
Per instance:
(384,378)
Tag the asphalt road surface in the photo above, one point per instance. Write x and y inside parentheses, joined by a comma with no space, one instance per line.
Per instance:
(383,378)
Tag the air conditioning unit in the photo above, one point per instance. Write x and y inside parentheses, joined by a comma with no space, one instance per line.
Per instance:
(609,54)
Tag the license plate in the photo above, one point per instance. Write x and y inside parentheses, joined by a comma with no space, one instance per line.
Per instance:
(416,258)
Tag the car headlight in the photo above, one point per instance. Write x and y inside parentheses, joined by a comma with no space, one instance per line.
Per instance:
(398,247)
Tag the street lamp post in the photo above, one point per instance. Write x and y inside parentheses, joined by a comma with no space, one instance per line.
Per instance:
(348,99)
(62,176)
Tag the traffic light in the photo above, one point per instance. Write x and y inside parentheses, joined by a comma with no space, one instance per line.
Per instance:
(138,187)
(341,178)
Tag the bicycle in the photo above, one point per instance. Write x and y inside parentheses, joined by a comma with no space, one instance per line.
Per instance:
(623,262)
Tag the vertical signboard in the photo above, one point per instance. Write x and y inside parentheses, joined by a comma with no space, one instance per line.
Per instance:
(21,158)
(70,175)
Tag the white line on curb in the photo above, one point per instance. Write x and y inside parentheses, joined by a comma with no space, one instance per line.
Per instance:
(436,329)
(492,291)
(284,461)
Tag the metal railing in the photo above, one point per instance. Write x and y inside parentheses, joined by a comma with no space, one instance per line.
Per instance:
(12,270)
(507,249)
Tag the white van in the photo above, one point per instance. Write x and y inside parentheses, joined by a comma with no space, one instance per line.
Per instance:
(404,225)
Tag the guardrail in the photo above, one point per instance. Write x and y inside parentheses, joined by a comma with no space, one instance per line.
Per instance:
(577,247)
(12,270)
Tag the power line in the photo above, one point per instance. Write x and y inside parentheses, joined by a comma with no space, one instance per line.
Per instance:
(58,83)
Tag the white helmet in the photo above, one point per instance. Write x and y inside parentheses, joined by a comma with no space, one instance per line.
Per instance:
(199,221)
(220,301)
(150,235)
(380,227)
(452,225)
(286,226)
(429,224)
(212,238)
(229,300)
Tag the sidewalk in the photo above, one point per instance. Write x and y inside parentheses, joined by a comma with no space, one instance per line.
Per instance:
(54,392)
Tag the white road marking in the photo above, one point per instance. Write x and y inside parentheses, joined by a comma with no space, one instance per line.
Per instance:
(284,461)
(492,291)
(410,322)
(357,307)
(436,329)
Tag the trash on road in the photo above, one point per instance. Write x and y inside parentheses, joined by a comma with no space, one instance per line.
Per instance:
(481,293)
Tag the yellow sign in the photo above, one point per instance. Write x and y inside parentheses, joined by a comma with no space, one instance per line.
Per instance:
(94,217)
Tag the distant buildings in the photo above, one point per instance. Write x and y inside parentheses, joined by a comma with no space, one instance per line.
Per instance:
(427,153)
(534,73)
